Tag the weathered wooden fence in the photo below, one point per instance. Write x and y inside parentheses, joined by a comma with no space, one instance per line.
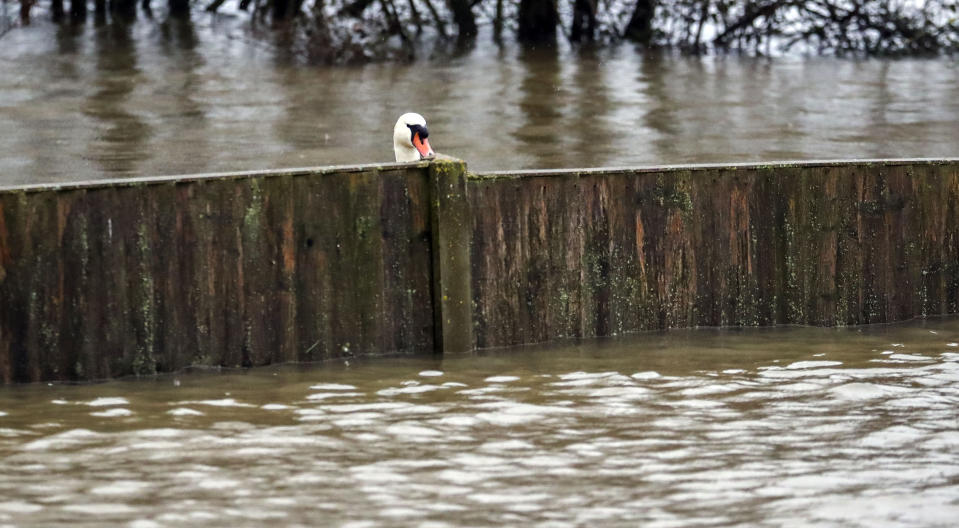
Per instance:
(110,278)
(601,252)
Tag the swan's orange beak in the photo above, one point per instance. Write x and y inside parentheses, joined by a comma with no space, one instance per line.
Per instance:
(422,146)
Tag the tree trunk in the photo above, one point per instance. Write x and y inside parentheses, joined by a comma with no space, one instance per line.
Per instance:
(751,15)
(393,17)
(25,6)
(537,21)
(640,26)
(123,8)
(415,15)
(179,7)
(699,29)
(78,10)
(56,9)
(355,9)
(584,21)
(284,10)
(440,26)
(463,17)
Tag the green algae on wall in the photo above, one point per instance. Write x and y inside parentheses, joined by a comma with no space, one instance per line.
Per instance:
(602,252)
(105,279)
(450,223)
(110,279)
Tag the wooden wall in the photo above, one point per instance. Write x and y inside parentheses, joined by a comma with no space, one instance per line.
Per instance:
(602,252)
(112,278)
(134,277)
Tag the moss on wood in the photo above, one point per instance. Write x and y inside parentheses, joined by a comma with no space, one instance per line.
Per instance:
(104,279)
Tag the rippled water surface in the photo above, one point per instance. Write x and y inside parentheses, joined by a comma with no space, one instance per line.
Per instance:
(797,427)
(167,97)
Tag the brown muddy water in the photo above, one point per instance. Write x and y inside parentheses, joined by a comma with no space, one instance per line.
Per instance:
(776,427)
(156,98)
(759,427)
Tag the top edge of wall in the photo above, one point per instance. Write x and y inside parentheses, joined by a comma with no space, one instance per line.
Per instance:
(490,175)
(533,173)
(186,178)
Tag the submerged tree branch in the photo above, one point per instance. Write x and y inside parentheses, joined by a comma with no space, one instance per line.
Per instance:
(337,30)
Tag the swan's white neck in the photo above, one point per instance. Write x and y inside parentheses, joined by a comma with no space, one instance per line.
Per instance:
(405,153)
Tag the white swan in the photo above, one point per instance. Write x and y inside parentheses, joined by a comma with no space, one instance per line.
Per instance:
(409,138)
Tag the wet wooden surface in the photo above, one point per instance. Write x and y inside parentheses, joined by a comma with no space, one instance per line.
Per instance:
(559,254)
(103,280)
(451,228)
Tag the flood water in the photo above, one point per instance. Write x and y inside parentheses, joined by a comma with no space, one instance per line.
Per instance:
(786,426)
(162,97)
(775,427)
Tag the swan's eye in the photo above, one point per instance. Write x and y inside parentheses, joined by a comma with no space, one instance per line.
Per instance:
(418,129)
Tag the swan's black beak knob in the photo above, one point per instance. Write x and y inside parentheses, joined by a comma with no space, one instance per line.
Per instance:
(418,136)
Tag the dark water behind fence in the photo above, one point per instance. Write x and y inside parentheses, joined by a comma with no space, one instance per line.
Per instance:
(152,98)
(762,427)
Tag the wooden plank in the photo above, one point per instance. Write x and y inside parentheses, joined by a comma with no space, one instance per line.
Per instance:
(598,252)
(450,221)
(104,280)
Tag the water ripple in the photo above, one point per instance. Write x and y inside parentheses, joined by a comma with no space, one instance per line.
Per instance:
(808,431)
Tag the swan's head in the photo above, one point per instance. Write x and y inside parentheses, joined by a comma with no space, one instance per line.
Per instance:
(409,138)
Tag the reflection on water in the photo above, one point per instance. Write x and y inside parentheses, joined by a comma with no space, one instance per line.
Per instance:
(150,97)
(120,140)
(853,427)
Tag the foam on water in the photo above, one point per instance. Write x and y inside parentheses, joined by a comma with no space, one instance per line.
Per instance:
(103,402)
(776,434)
(276,407)
(413,389)
(222,402)
(501,379)
(115,412)
(184,411)
(332,387)
(121,487)
(19,507)
(812,364)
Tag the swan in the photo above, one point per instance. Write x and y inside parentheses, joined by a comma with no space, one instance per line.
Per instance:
(409,138)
